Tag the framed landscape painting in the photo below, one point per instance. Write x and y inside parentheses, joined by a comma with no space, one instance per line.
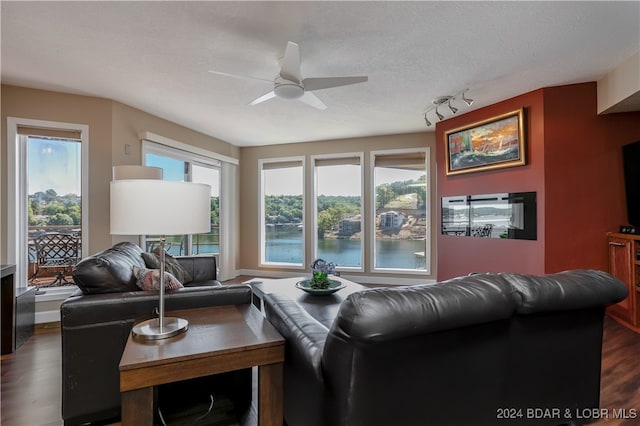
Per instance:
(487,145)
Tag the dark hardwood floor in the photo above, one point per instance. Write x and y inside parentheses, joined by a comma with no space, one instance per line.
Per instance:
(31,380)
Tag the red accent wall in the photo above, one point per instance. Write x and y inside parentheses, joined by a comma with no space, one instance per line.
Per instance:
(574,164)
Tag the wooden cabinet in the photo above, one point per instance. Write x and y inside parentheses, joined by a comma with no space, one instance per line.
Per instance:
(624,263)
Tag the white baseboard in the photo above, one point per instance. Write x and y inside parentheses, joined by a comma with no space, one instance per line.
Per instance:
(48,303)
(47,316)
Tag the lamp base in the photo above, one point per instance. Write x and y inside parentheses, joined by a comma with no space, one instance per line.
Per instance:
(150,329)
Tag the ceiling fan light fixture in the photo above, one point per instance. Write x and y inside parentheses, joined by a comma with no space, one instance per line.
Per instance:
(288,90)
(289,84)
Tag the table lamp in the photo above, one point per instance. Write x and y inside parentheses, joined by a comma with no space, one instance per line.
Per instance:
(159,207)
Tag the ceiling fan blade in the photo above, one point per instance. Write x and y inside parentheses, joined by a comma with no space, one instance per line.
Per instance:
(263,98)
(311,99)
(240,76)
(329,82)
(291,63)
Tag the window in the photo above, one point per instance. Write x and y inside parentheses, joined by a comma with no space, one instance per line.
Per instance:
(48,170)
(388,234)
(53,207)
(282,212)
(181,166)
(338,210)
(209,242)
(400,206)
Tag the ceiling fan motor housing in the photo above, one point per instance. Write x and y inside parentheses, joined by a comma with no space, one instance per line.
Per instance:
(288,90)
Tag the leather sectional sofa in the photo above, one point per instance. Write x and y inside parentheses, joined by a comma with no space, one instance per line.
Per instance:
(487,349)
(97,319)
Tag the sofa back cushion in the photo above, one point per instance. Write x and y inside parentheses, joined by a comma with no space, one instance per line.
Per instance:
(398,355)
(109,271)
(394,312)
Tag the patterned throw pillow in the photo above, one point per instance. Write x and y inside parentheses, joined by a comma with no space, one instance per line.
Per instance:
(171,265)
(149,279)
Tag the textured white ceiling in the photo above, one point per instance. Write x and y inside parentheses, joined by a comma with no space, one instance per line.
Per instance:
(155,56)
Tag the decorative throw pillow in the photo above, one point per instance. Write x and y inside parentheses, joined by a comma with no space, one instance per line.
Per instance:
(149,279)
(171,265)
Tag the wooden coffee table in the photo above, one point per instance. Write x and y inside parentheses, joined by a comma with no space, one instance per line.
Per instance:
(219,339)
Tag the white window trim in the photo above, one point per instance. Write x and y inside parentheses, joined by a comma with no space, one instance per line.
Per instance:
(194,150)
(17,187)
(229,228)
(261,224)
(150,147)
(372,209)
(230,225)
(314,215)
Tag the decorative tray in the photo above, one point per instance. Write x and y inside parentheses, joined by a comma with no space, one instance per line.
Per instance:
(333,287)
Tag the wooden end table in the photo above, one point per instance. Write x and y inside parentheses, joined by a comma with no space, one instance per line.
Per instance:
(219,339)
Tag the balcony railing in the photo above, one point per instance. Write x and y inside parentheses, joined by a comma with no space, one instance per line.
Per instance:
(47,276)
(176,245)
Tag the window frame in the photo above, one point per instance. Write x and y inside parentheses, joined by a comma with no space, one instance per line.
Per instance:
(372,209)
(262,262)
(314,203)
(17,193)
(191,158)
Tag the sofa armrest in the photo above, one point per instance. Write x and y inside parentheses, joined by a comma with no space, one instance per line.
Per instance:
(304,335)
(303,368)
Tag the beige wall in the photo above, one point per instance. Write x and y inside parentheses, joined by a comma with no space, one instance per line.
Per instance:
(128,122)
(52,106)
(111,126)
(619,90)
(249,223)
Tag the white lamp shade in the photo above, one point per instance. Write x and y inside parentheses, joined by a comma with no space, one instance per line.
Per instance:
(136,172)
(149,206)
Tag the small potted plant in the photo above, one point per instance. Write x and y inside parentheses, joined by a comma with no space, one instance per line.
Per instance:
(320,270)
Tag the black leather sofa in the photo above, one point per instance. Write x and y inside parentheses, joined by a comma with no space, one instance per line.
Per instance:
(95,328)
(485,349)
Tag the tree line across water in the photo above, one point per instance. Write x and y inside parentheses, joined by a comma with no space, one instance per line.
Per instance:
(48,208)
(287,209)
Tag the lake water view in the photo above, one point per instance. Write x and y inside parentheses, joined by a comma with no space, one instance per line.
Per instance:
(286,246)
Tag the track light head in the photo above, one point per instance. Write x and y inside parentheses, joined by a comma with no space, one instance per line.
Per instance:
(440,116)
(427,120)
(452,108)
(466,100)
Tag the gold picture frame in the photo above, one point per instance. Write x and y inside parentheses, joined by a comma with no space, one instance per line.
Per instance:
(490,144)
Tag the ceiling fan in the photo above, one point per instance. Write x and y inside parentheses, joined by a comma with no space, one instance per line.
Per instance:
(289,84)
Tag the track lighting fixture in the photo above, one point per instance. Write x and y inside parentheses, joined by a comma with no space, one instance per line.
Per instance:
(448,99)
